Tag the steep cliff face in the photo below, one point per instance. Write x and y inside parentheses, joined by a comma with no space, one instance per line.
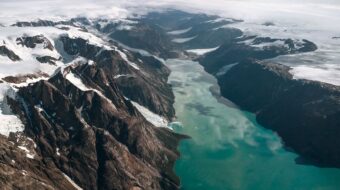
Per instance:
(304,113)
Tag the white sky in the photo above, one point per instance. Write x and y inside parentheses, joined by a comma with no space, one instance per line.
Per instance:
(316,20)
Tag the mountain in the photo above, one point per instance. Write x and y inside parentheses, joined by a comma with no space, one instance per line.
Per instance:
(88,114)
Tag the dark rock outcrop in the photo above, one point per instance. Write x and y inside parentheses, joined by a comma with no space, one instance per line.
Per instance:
(47,59)
(49,23)
(23,78)
(4,51)
(33,41)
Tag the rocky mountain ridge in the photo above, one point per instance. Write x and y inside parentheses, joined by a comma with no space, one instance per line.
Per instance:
(97,120)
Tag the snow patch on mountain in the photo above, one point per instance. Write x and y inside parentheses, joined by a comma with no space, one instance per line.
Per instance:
(202,51)
(183,40)
(72,182)
(122,75)
(75,32)
(29,154)
(325,73)
(225,69)
(76,81)
(178,32)
(277,43)
(153,118)
(220,20)
(125,57)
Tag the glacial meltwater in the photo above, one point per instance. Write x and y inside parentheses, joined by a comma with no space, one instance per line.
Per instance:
(228,149)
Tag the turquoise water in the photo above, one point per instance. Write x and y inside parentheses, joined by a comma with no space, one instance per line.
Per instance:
(228,149)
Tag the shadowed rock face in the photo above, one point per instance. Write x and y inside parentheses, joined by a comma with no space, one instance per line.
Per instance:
(47,59)
(305,114)
(4,51)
